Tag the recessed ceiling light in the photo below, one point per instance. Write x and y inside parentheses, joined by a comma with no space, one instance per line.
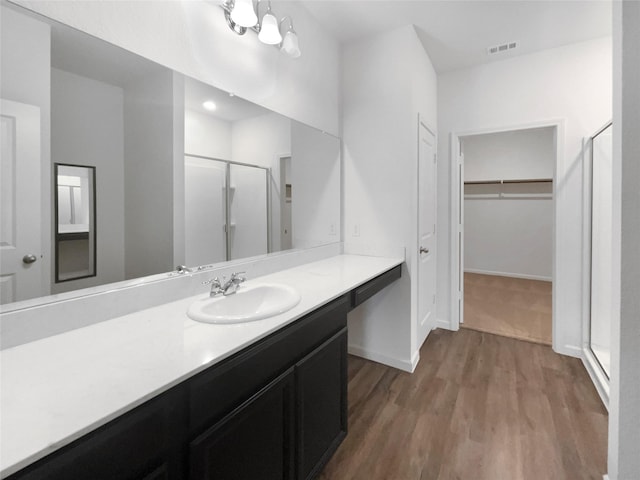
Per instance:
(209,105)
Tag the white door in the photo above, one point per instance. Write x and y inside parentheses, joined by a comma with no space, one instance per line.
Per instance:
(426,233)
(205,219)
(20,220)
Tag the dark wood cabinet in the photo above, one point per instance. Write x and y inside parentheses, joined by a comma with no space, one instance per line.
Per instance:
(304,408)
(321,405)
(277,410)
(140,445)
(254,441)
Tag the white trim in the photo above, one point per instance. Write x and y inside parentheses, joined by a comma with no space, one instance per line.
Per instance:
(586,242)
(508,274)
(407,366)
(454,226)
(569,350)
(606,477)
(445,324)
(455,273)
(599,379)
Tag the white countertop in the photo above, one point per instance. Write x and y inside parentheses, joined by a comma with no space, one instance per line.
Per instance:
(57,389)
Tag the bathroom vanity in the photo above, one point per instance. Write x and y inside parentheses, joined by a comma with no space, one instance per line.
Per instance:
(185,400)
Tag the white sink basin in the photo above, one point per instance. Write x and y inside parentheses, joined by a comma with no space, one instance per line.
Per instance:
(249,303)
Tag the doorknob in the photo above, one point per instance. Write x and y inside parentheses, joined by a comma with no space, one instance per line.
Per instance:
(29,259)
(424,250)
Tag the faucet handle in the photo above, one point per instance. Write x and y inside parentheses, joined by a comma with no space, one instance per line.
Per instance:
(238,277)
(214,281)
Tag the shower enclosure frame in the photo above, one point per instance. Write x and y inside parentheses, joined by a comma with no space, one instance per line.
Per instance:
(227,198)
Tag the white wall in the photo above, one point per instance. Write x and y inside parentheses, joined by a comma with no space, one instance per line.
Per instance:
(206,135)
(518,154)
(507,236)
(571,83)
(25,56)
(387,80)
(87,128)
(315,187)
(262,140)
(149,173)
(624,404)
(193,38)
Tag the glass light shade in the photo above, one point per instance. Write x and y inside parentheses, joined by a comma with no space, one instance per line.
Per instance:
(243,13)
(290,44)
(269,32)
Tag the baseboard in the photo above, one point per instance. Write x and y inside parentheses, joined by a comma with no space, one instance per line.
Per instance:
(445,324)
(512,275)
(404,365)
(598,378)
(569,350)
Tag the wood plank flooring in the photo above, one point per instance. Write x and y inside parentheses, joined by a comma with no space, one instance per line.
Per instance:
(512,307)
(478,406)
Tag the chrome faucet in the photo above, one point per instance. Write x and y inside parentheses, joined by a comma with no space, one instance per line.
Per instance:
(228,287)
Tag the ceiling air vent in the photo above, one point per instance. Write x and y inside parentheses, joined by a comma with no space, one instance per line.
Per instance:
(505,47)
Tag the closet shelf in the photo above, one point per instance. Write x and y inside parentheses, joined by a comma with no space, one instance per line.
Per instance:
(501,182)
(522,188)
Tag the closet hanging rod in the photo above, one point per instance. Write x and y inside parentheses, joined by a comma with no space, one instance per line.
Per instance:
(499,182)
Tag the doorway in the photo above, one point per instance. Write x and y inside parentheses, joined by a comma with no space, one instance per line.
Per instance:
(506,231)
(286,241)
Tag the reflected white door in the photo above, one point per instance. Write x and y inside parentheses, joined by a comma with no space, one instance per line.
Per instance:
(20,234)
(426,234)
(205,211)
(248,211)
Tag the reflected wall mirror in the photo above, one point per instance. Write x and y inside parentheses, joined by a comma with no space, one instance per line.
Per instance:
(75,219)
(187,174)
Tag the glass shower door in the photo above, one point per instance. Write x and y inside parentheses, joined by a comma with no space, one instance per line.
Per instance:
(601,245)
(248,211)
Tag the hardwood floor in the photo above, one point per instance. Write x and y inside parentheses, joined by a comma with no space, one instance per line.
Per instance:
(478,406)
(512,307)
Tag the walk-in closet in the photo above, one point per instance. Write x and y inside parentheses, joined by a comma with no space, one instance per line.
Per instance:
(508,232)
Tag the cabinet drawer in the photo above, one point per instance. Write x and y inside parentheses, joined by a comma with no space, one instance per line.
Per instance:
(213,393)
(369,289)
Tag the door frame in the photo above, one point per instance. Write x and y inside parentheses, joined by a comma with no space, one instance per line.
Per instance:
(456,264)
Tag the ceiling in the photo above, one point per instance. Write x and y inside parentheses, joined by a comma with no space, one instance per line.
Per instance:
(228,108)
(76,52)
(457,33)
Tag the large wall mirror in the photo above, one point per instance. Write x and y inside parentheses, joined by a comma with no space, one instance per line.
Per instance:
(186,174)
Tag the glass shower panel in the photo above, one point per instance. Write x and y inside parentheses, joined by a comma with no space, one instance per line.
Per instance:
(601,243)
(205,211)
(248,211)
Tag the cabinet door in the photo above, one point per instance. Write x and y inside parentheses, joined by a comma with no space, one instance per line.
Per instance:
(140,445)
(321,405)
(254,441)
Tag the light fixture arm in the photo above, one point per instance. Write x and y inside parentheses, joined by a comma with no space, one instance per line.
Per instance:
(284,19)
(258,27)
(227,6)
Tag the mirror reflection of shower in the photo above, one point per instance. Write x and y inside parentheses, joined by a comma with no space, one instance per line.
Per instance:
(226,210)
